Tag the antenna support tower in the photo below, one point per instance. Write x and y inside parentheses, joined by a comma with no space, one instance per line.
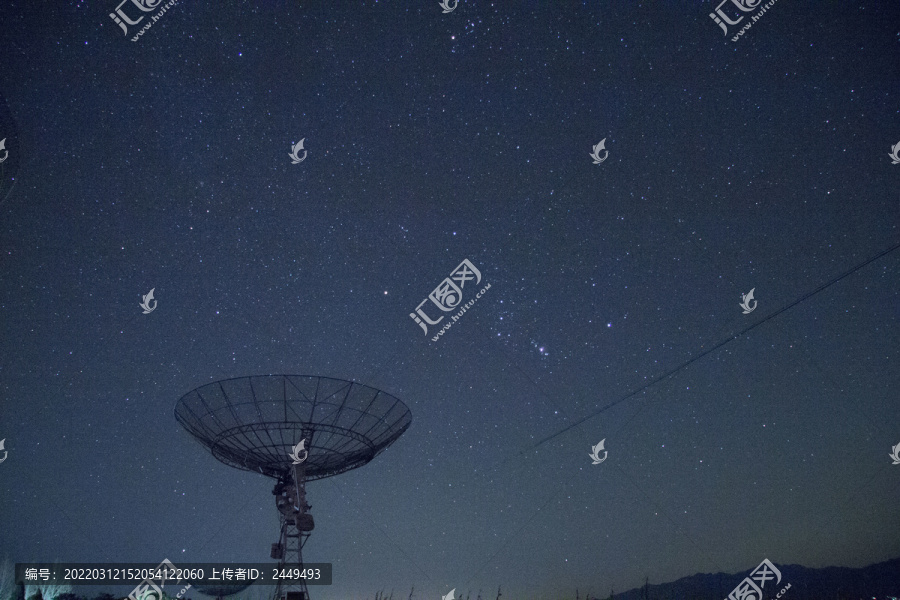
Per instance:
(254,423)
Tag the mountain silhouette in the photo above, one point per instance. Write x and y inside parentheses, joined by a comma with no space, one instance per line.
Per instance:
(880,581)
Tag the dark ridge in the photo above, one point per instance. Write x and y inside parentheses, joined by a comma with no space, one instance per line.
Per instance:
(880,581)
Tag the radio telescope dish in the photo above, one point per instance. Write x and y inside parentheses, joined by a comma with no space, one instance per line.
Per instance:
(221,590)
(253,423)
(262,423)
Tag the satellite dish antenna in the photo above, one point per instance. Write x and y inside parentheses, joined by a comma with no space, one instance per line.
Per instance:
(257,423)
(221,590)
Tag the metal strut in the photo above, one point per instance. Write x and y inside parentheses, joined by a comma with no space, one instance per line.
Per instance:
(296,523)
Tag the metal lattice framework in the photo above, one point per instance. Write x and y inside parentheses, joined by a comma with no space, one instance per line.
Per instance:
(252,423)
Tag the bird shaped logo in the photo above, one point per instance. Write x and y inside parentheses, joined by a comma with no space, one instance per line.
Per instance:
(6,152)
(895,455)
(445,4)
(449,596)
(745,302)
(301,447)
(595,452)
(895,154)
(295,158)
(596,153)
(146,303)
(3,441)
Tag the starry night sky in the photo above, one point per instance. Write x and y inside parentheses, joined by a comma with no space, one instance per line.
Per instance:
(432,138)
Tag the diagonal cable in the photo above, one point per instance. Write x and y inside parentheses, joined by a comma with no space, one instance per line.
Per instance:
(710,350)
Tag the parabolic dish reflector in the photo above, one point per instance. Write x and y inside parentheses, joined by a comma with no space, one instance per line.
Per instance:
(253,423)
(221,590)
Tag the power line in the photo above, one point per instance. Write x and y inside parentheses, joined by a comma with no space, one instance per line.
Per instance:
(690,361)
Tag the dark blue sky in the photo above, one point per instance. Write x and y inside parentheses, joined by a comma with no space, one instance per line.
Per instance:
(432,138)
